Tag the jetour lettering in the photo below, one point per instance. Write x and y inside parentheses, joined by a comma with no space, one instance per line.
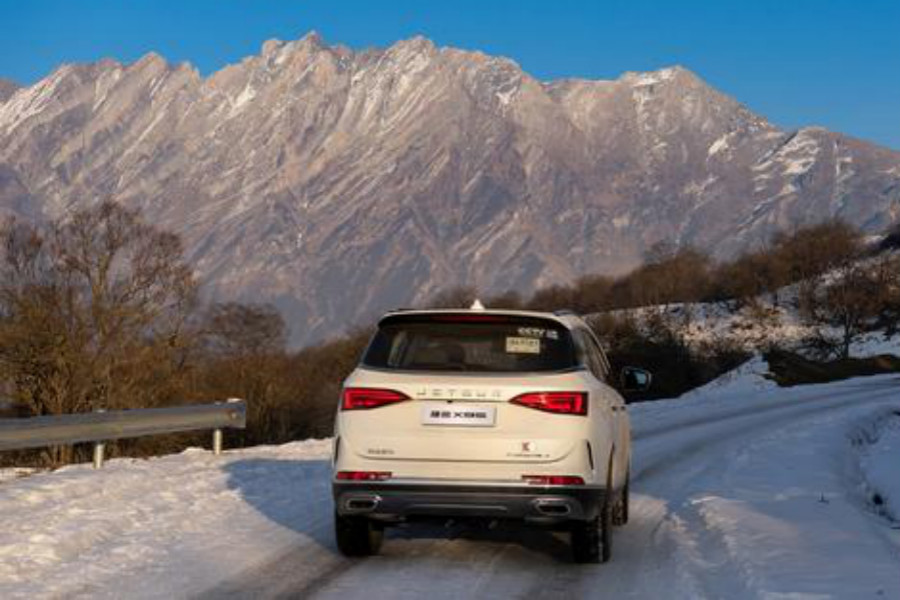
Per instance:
(455,393)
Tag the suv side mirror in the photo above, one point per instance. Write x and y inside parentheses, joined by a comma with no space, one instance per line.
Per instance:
(632,379)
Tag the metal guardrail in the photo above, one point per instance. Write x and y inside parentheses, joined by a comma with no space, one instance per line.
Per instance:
(100,427)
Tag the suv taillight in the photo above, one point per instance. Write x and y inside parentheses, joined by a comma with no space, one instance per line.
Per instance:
(363,398)
(553,479)
(363,475)
(565,403)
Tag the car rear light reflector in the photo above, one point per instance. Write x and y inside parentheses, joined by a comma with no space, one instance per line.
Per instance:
(553,479)
(565,403)
(364,398)
(363,475)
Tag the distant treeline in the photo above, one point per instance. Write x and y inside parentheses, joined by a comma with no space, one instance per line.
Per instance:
(101,311)
(671,275)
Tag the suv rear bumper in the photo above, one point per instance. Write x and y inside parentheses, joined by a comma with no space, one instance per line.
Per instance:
(395,501)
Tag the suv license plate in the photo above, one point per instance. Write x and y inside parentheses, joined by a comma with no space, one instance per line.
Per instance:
(464,415)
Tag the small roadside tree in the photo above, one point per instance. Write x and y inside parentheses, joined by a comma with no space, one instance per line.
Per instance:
(888,274)
(245,356)
(850,301)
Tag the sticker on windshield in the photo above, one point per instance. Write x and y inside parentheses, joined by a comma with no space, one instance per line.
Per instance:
(523,345)
(538,332)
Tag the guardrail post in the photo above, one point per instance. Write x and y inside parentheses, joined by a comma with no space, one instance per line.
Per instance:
(217,442)
(217,433)
(99,448)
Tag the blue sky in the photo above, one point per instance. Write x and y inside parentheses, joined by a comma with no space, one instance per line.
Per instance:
(834,63)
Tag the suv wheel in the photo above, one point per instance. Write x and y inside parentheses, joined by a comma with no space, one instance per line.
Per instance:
(357,536)
(592,540)
(621,513)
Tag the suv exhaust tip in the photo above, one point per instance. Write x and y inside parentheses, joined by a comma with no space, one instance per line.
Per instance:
(553,508)
(361,504)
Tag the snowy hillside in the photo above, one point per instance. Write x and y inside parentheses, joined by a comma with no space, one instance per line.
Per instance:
(752,329)
(741,490)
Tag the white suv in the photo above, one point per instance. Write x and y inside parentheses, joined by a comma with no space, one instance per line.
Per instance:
(486,414)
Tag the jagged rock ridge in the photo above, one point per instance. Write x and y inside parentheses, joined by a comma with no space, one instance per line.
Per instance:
(338,183)
(7,88)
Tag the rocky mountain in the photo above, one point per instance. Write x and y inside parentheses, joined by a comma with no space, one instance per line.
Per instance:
(7,88)
(337,183)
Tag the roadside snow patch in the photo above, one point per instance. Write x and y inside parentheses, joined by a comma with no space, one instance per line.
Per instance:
(164,527)
(748,378)
(880,463)
(15,473)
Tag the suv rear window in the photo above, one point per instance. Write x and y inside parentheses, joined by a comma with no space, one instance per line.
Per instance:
(448,342)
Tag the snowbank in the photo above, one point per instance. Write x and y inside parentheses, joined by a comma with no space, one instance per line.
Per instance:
(880,463)
(161,527)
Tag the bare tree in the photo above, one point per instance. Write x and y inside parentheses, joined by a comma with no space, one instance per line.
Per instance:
(554,297)
(509,300)
(888,273)
(234,329)
(850,301)
(673,276)
(816,249)
(749,277)
(246,358)
(93,311)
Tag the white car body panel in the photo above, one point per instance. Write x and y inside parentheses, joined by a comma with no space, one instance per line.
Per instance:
(522,440)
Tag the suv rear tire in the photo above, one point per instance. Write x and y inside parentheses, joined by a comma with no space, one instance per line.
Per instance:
(357,536)
(622,509)
(592,540)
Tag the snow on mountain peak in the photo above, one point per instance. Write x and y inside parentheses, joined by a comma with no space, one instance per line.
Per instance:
(637,79)
(270,47)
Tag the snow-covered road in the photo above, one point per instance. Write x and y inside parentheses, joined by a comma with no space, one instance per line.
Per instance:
(740,490)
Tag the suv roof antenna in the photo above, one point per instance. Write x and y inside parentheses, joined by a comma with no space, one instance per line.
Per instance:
(477,305)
